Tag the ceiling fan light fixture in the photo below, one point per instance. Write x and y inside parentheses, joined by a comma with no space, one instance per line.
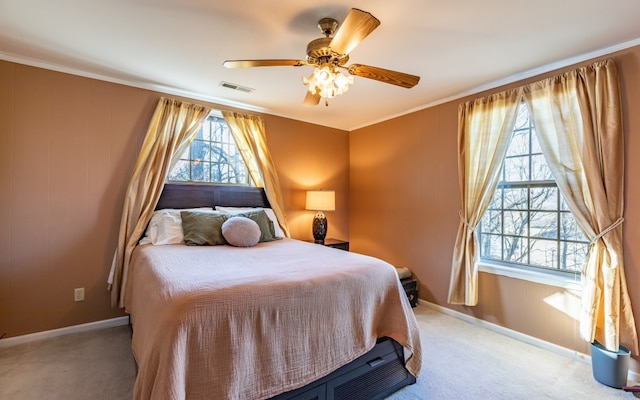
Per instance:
(326,82)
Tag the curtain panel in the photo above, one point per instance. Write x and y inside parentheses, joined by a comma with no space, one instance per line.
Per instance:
(484,132)
(251,139)
(578,119)
(173,126)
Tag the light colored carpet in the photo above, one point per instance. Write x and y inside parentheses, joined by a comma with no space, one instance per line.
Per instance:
(464,361)
(95,365)
(461,361)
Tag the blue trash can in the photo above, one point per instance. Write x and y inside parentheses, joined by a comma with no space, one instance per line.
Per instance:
(610,368)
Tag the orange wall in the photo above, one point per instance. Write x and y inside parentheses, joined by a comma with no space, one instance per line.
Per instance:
(67,147)
(405,200)
(311,157)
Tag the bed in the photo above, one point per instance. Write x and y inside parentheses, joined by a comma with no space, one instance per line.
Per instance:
(284,319)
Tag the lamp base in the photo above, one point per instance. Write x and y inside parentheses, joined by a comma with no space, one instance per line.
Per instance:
(320,226)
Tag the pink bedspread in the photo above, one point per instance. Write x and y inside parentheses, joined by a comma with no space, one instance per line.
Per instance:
(220,322)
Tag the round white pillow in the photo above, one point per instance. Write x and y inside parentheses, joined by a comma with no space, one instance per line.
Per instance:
(241,232)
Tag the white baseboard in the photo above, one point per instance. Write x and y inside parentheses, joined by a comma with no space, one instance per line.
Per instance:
(91,326)
(554,348)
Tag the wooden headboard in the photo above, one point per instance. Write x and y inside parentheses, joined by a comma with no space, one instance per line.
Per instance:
(197,195)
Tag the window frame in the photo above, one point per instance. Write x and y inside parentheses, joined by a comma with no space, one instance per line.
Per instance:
(217,144)
(528,271)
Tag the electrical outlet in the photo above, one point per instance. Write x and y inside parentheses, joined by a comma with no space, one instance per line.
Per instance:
(78,294)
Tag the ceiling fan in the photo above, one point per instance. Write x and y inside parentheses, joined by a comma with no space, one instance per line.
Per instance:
(330,53)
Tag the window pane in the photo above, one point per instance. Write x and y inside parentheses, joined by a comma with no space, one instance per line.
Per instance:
(544,225)
(544,253)
(243,176)
(535,144)
(516,169)
(569,229)
(218,155)
(522,119)
(544,198)
(563,204)
(224,172)
(205,132)
(185,154)
(218,134)
(199,151)
(199,134)
(573,256)
(496,201)
(491,247)
(516,198)
(516,250)
(216,172)
(200,171)
(233,176)
(180,172)
(515,223)
(539,169)
(519,144)
(491,222)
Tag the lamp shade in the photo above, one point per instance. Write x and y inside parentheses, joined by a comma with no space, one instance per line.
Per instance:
(321,200)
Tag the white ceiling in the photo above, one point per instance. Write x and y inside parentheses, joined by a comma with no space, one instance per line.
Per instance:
(457,47)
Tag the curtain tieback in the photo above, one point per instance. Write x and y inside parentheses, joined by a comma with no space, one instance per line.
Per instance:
(464,221)
(609,229)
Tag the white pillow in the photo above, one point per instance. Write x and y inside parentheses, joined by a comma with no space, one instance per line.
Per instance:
(165,226)
(241,232)
(279,233)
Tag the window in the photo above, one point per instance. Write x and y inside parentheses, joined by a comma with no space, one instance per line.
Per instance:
(528,224)
(212,157)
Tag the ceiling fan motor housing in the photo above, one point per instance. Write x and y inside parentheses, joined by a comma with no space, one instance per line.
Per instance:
(319,52)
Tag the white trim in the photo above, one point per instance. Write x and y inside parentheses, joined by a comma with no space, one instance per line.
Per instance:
(554,348)
(565,282)
(91,326)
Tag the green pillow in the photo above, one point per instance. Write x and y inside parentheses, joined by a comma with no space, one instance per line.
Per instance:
(267,231)
(202,228)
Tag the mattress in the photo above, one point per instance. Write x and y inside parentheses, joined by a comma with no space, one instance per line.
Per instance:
(222,322)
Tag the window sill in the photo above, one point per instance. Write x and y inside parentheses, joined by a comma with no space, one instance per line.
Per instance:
(565,282)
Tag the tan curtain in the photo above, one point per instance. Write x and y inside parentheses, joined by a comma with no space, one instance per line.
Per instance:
(578,120)
(484,131)
(172,127)
(251,139)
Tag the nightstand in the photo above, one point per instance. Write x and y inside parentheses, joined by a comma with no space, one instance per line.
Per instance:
(337,244)
(410,286)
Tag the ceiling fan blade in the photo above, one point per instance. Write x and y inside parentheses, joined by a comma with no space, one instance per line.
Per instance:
(357,26)
(263,63)
(384,75)
(311,99)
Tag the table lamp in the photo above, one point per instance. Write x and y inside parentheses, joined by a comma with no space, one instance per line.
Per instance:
(320,200)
